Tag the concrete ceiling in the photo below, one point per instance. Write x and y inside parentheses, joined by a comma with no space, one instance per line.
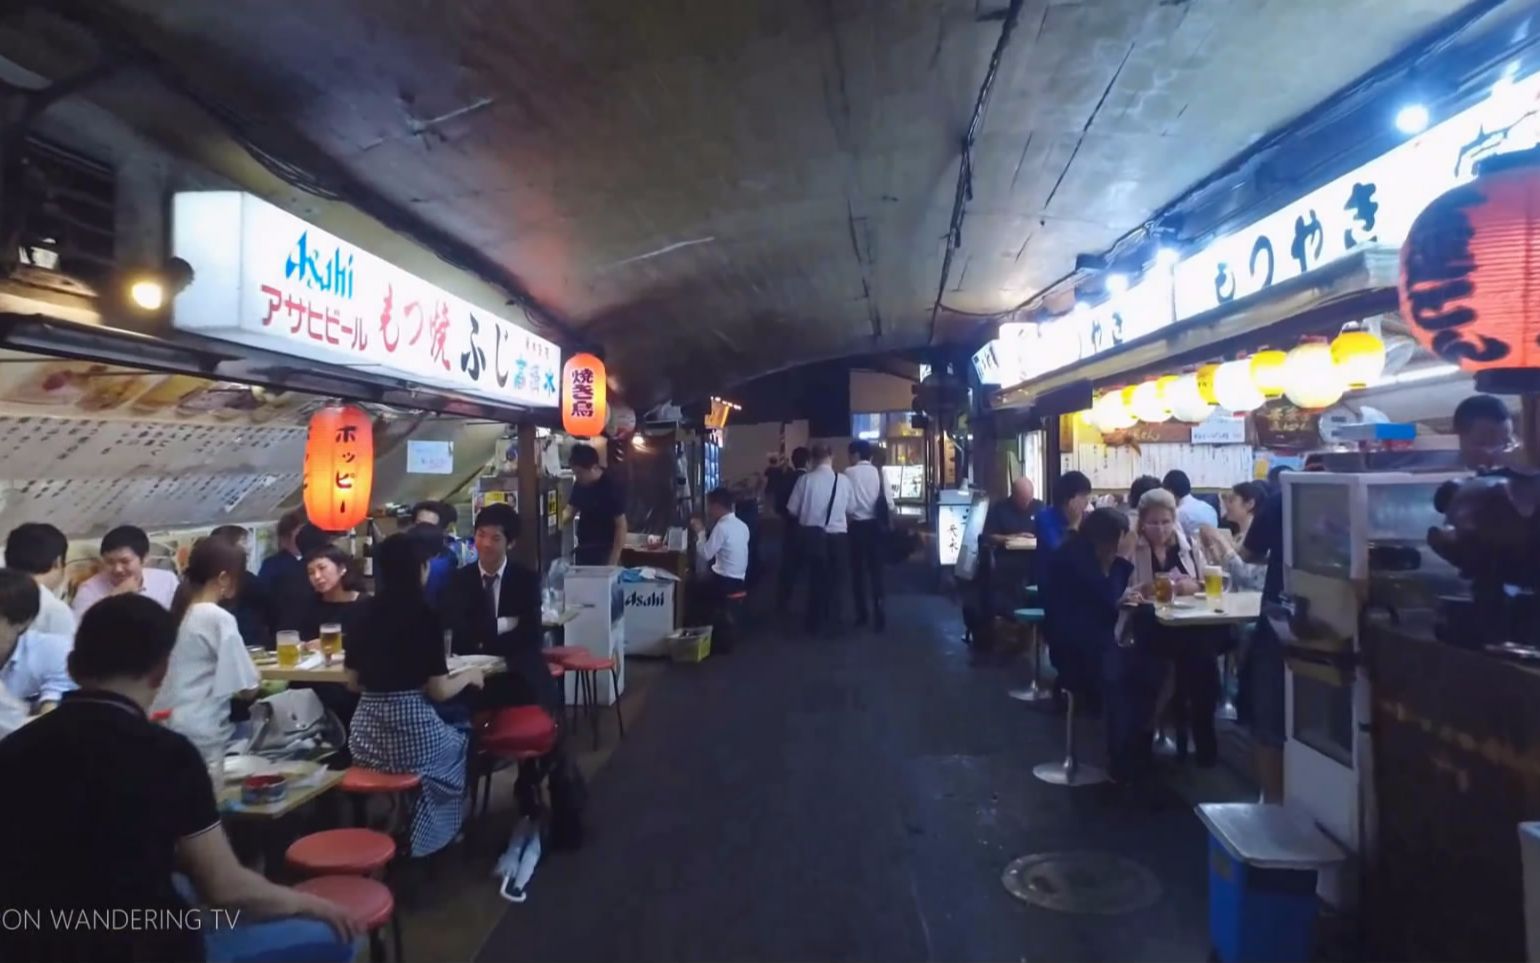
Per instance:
(713,190)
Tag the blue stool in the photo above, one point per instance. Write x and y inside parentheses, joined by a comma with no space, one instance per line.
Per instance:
(1032,618)
(1263,863)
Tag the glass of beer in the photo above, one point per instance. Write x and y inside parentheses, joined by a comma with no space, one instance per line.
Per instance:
(1164,588)
(1214,585)
(331,640)
(288,649)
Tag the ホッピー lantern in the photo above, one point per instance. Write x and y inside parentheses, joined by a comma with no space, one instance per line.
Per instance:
(584,396)
(1469,286)
(339,467)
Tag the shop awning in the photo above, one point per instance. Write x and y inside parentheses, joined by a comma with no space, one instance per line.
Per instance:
(1357,286)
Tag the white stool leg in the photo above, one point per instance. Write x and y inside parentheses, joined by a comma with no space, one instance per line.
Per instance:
(1034,692)
(1070,772)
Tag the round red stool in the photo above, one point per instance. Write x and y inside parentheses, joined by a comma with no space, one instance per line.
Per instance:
(361,783)
(558,652)
(588,666)
(345,852)
(515,734)
(368,903)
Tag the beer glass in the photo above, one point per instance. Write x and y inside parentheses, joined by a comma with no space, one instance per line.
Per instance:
(1214,586)
(288,649)
(1164,588)
(331,640)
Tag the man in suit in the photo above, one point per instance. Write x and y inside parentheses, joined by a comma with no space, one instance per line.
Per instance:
(493,607)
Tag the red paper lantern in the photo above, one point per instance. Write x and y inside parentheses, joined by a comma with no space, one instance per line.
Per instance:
(1470,274)
(584,396)
(339,467)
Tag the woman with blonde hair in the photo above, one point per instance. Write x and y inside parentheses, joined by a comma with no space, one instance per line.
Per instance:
(1192,676)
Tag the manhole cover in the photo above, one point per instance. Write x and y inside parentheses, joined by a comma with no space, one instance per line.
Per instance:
(1098,883)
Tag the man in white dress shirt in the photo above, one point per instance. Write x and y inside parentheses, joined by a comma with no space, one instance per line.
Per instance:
(868,517)
(123,553)
(724,550)
(33,667)
(38,549)
(820,504)
(1192,512)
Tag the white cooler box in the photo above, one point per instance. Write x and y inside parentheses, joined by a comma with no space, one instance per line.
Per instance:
(649,608)
(596,592)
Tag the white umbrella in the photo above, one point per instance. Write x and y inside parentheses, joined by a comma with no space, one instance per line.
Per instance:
(517,865)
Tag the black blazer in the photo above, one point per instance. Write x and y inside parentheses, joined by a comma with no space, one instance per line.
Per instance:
(465,612)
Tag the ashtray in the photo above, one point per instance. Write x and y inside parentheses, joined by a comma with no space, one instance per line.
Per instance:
(263,790)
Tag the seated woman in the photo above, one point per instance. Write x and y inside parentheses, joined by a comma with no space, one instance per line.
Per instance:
(1189,653)
(209,664)
(1241,504)
(1082,584)
(396,657)
(338,585)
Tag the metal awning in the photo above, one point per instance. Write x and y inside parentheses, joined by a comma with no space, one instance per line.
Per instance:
(1358,286)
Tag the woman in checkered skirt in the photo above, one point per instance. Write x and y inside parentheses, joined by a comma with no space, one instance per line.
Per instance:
(396,657)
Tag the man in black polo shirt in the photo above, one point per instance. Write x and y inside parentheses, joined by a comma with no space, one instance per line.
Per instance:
(104,806)
(1261,698)
(600,504)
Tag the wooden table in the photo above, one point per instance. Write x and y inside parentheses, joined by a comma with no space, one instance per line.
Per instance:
(1239,608)
(307,781)
(336,674)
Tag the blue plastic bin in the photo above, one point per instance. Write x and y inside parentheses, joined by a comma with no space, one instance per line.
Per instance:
(1263,863)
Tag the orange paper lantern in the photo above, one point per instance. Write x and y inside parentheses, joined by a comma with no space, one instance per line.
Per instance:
(1469,288)
(339,467)
(584,396)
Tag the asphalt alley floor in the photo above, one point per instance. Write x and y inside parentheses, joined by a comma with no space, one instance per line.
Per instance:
(853,797)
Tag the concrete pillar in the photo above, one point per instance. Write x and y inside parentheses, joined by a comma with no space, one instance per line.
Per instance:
(528,552)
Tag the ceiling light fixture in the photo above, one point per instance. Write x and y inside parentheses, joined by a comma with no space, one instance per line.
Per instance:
(1412,119)
(1166,257)
(1117,283)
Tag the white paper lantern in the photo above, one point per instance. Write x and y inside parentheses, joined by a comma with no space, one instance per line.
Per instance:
(1108,414)
(1235,389)
(1311,378)
(1147,405)
(1186,401)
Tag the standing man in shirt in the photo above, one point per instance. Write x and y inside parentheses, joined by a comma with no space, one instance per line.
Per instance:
(128,804)
(1485,428)
(820,504)
(124,550)
(1192,512)
(1261,701)
(600,505)
(869,514)
(791,557)
(38,549)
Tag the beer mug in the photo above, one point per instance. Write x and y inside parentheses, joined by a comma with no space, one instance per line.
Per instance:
(331,640)
(1214,586)
(288,649)
(1164,588)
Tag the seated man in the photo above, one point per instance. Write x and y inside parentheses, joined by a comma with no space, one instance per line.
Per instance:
(33,669)
(725,551)
(116,806)
(123,552)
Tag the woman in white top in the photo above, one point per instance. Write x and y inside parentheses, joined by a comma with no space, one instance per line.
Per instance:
(1241,504)
(209,664)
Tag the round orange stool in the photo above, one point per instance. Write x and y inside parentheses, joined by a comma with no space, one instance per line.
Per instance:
(346,852)
(361,783)
(367,901)
(588,666)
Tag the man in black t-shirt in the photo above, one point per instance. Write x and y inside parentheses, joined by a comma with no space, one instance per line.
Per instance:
(105,807)
(600,505)
(1261,701)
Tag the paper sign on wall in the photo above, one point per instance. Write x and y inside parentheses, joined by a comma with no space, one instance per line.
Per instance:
(430,457)
(1220,429)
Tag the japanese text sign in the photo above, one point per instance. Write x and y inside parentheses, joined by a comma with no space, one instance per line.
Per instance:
(268,279)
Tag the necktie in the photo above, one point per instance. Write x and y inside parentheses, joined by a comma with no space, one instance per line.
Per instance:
(489,588)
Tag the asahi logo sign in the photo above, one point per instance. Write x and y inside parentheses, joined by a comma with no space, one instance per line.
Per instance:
(646,600)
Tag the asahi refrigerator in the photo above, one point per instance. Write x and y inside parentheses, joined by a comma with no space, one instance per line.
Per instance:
(595,591)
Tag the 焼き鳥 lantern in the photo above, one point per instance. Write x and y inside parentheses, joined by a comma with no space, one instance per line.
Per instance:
(1469,288)
(584,396)
(339,467)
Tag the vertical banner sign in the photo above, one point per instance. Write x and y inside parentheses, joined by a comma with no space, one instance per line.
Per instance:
(339,467)
(584,396)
